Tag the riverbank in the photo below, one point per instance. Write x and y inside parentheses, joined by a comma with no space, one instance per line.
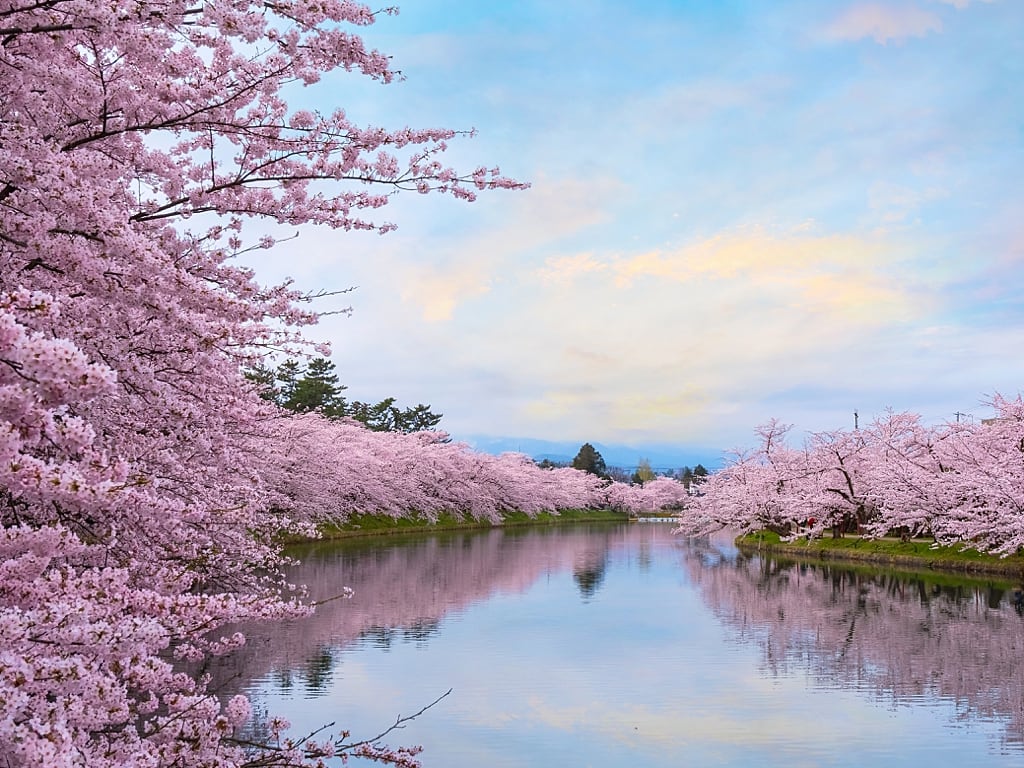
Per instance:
(917,554)
(383,525)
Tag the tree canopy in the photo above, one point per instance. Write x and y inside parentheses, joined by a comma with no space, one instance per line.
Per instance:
(644,473)
(316,388)
(588,459)
(957,483)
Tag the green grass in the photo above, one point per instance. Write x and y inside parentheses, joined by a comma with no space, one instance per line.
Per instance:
(915,553)
(381,525)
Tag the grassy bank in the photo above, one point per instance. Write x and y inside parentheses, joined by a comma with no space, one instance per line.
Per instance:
(382,525)
(918,553)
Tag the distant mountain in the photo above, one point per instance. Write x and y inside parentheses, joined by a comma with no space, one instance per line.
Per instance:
(662,457)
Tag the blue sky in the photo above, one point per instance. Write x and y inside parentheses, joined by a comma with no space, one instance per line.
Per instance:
(739,210)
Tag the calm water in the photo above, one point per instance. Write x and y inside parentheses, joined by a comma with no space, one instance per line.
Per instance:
(623,645)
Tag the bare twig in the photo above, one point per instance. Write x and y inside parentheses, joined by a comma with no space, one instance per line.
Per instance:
(398,724)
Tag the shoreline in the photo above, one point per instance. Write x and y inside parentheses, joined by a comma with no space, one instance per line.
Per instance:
(888,552)
(363,526)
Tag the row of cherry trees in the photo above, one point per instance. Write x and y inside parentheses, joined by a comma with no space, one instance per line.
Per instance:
(323,469)
(957,482)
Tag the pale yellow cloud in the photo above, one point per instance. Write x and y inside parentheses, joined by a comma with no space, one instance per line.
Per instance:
(837,273)
(438,291)
(565,269)
(961,4)
(637,411)
(883,22)
(666,342)
(471,265)
(659,410)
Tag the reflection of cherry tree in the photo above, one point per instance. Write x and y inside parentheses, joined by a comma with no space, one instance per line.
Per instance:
(961,483)
(902,637)
(406,589)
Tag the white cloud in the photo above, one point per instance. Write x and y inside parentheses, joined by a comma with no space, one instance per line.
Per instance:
(883,23)
(897,204)
(961,4)
(469,266)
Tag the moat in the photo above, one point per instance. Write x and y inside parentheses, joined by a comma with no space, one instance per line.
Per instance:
(622,644)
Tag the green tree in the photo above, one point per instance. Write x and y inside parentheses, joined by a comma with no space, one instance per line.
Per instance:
(265,381)
(686,476)
(699,473)
(316,390)
(643,472)
(288,374)
(589,460)
(380,417)
(419,418)
(385,416)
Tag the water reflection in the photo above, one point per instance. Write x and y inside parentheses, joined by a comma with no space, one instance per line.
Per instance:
(588,571)
(613,644)
(403,587)
(903,637)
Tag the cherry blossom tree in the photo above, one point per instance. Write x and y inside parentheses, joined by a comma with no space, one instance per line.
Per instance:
(905,477)
(652,496)
(979,485)
(962,484)
(757,490)
(136,139)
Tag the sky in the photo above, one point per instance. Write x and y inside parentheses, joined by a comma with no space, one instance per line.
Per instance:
(738,211)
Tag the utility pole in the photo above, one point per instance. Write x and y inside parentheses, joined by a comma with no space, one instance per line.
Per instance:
(856,417)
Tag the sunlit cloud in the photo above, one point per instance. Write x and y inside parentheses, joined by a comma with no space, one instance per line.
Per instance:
(688,329)
(883,23)
(961,4)
(566,269)
(838,274)
(439,291)
(553,208)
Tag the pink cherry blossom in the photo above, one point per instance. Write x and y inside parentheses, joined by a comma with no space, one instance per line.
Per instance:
(140,514)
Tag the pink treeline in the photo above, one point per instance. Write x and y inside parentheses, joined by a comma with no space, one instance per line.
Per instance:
(957,482)
(324,469)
